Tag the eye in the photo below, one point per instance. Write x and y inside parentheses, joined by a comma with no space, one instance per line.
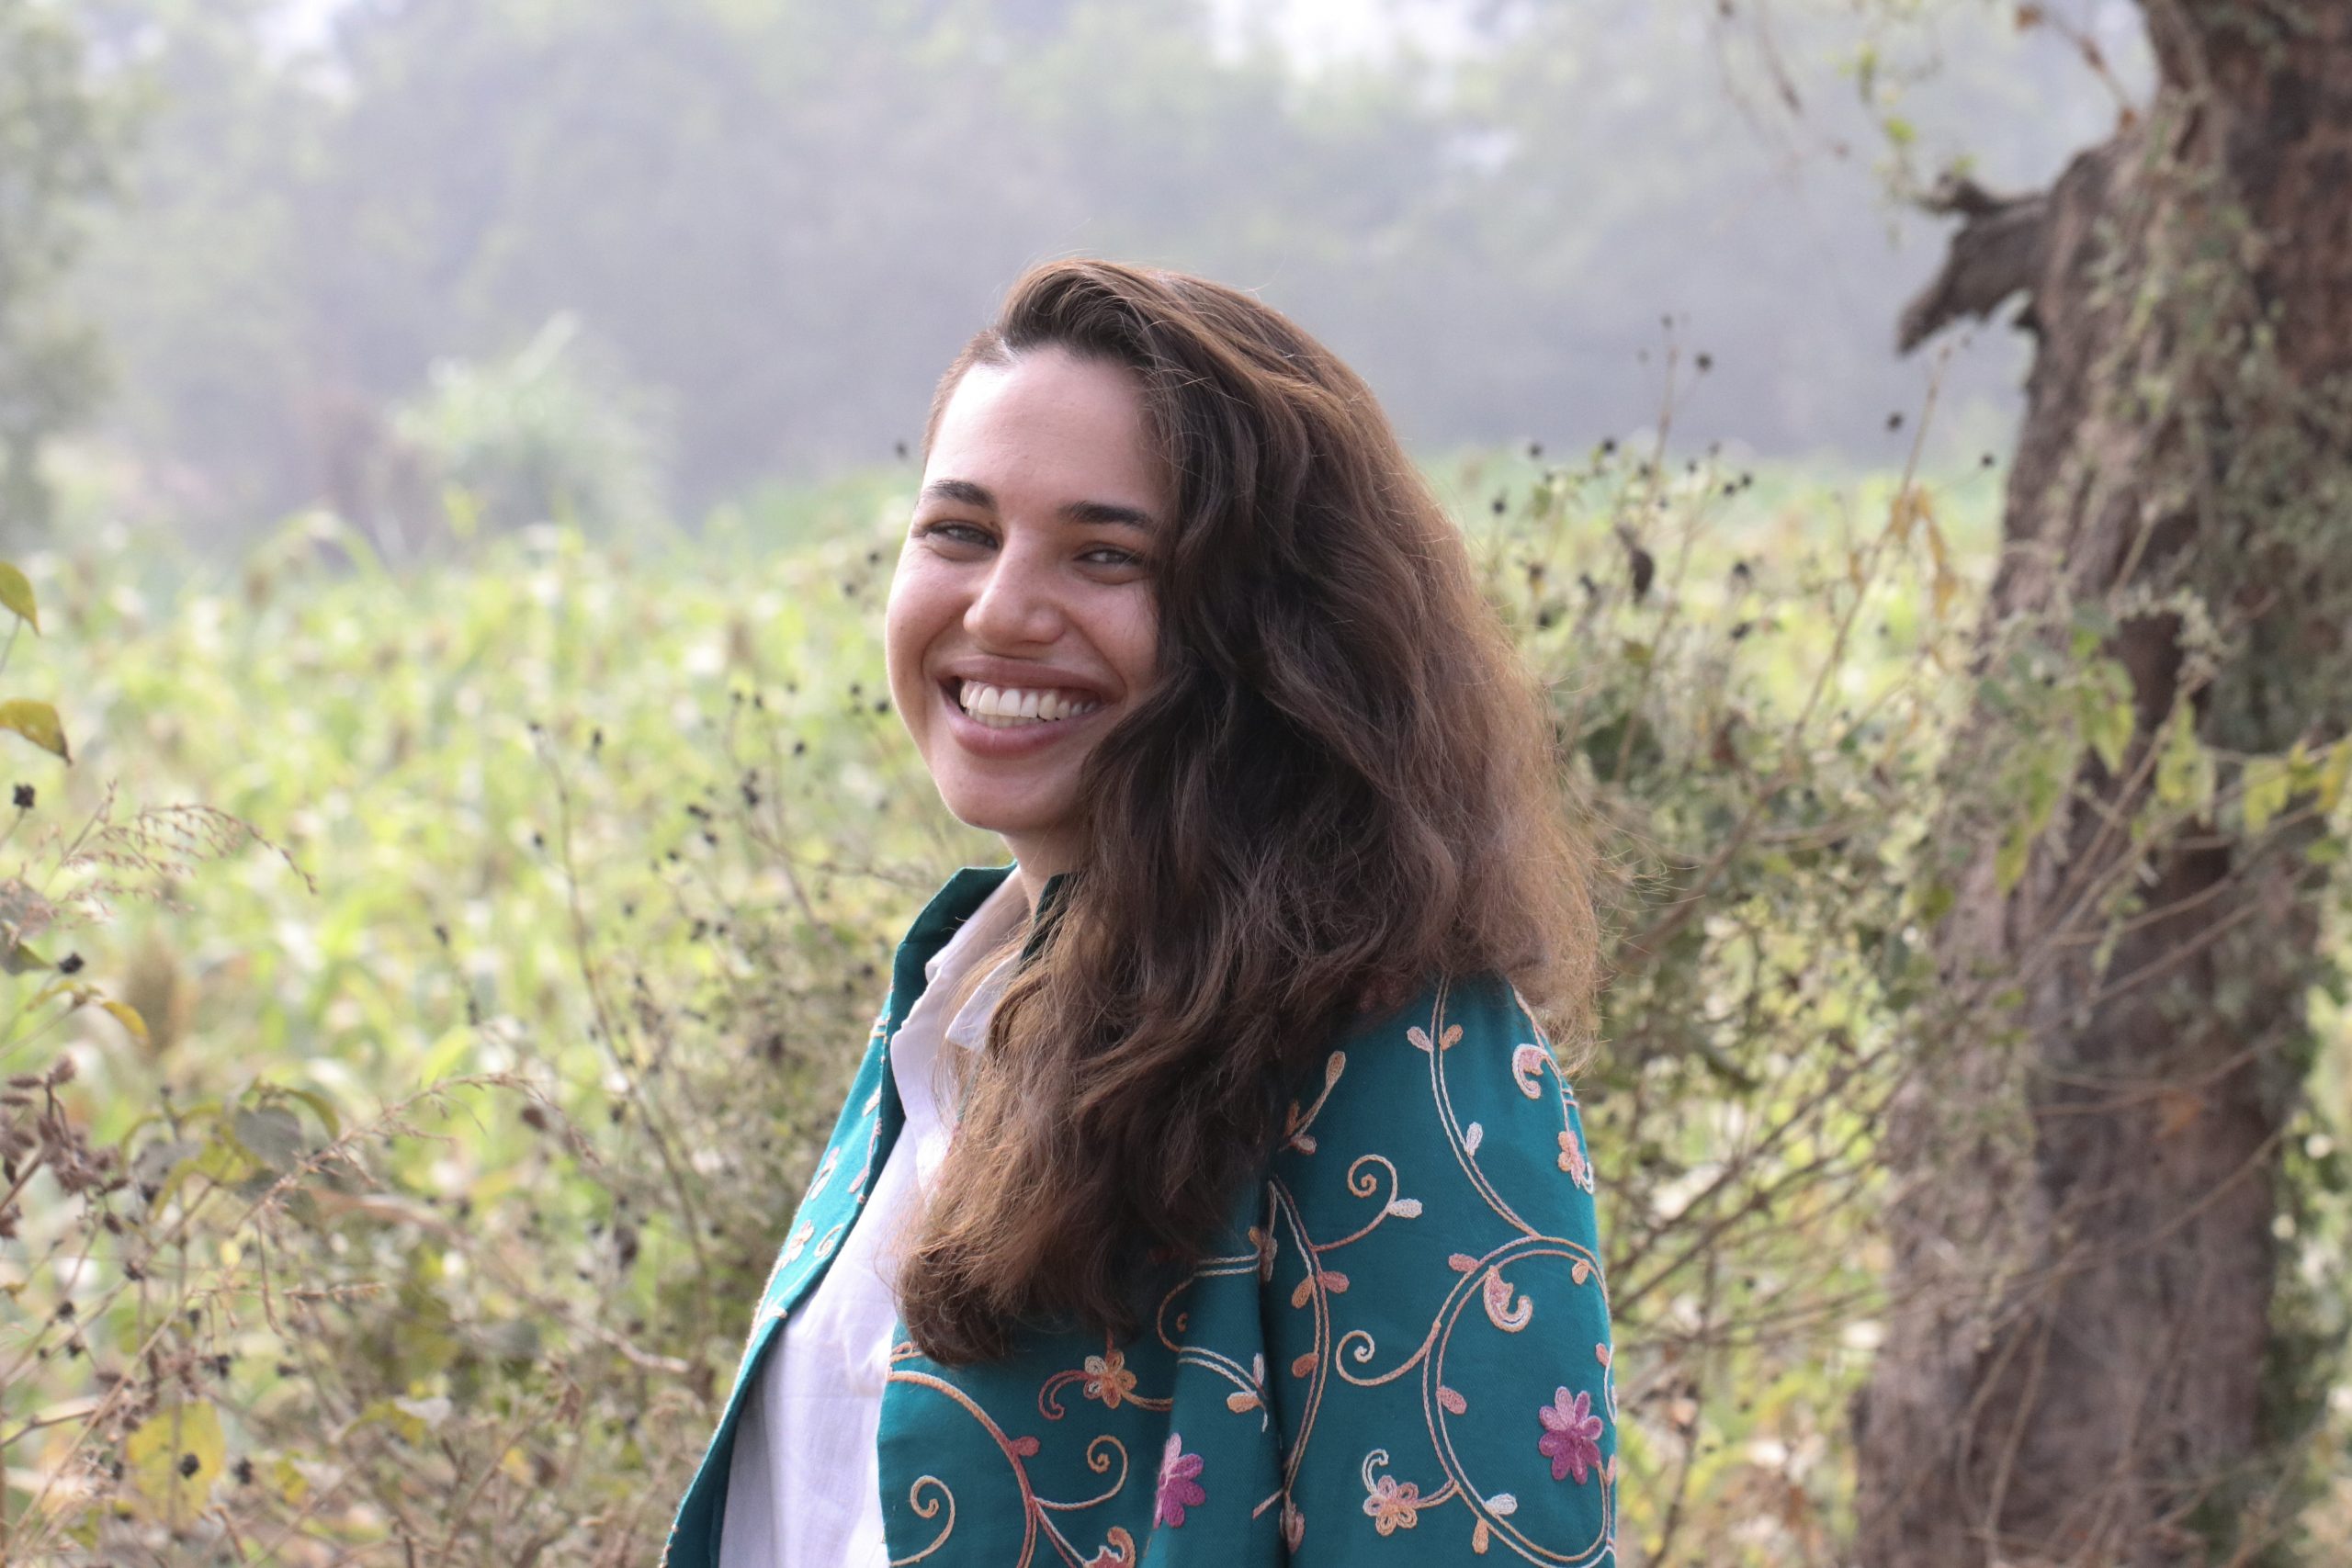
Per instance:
(1112,555)
(950,530)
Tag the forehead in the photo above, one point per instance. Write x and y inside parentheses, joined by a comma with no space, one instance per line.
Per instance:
(1050,427)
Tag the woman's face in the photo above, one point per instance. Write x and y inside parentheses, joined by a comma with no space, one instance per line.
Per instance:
(1021,624)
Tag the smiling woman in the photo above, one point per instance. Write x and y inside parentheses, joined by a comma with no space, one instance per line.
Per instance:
(1210,1189)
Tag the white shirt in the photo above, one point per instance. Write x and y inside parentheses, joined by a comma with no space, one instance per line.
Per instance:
(804,1488)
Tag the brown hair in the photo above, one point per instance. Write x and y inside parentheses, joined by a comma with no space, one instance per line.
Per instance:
(1341,785)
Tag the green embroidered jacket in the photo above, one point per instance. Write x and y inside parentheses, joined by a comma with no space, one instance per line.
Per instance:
(1400,1354)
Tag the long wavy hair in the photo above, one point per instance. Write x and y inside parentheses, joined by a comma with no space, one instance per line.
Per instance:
(1342,783)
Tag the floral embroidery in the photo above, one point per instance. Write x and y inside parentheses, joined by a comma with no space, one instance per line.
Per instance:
(1119,1551)
(1527,1069)
(1510,1319)
(1393,1505)
(1108,1379)
(1179,1487)
(824,1174)
(1572,1159)
(1571,1436)
(1261,1241)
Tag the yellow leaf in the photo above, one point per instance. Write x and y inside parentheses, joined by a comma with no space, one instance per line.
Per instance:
(2266,791)
(2330,787)
(1912,505)
(17,595)
(2185,770)
(128,1016)
(175,1456)
(37,722)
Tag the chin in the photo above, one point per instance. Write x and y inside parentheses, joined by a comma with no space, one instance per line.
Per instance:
(1013,820)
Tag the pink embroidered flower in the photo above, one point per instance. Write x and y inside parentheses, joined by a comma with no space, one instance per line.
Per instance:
(1179,1488)
(1571,1436)
(1108,1380)
(1393,1505)
(1572,1157)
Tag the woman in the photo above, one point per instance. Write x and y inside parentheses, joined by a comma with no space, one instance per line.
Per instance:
(1266,1233)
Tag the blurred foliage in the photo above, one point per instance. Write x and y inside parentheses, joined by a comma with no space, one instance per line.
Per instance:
(412,1193)
(60,134)
(783,218)
(551,433)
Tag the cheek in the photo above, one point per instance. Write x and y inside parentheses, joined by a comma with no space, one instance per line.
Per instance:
(1132,640)
(909,621)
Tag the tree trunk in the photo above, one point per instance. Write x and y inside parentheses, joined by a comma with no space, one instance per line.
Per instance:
(2088,1162)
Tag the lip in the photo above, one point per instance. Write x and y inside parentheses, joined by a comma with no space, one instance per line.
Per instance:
(981,740)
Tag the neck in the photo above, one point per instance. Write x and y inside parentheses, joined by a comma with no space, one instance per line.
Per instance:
(1037,861)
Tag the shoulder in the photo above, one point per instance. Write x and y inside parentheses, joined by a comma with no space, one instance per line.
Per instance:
(1463,1055)
(1458,1091)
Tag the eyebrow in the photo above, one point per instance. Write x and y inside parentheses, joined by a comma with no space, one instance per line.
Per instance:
(1098,513)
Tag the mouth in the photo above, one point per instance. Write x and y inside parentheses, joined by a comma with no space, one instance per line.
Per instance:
(1017,708)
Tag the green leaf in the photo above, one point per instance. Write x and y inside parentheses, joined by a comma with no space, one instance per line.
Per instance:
(509,1339)
(175,1456)
(37,723)
(155,1163)
(22,960)
(2185,771)
(224,1161)
(271,1134)
(17,595)
(2266,788)
(2104,709)
(2008,862)
(2330,785)
(1931,902)
(324,1106)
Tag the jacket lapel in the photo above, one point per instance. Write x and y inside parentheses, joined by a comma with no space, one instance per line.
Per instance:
(861,1140)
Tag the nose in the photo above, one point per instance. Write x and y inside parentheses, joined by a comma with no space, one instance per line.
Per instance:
(1016,605)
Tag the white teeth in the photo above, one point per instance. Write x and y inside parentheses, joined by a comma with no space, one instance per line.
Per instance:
(1002,707)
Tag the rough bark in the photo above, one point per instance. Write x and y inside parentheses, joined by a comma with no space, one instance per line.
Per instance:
(2083,1261)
